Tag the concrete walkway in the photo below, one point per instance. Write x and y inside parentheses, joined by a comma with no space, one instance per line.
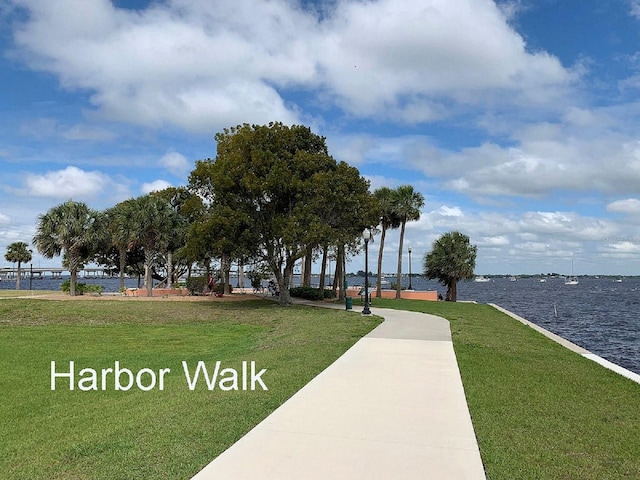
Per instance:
(391,407)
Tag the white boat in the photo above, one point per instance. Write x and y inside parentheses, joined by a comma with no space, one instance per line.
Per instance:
(619,280)
(512,278)
(542,280)
(571,280)
(481,279)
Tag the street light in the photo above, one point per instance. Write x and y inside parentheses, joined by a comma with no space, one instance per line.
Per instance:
(366,235)
(410,287)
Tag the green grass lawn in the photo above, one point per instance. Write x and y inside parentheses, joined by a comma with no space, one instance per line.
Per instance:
(169,434)
(22,293)
(539,410)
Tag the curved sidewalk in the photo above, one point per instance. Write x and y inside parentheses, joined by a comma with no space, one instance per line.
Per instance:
(391,407)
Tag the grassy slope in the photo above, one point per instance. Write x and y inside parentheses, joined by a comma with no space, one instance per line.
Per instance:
(539,410)
(158,434)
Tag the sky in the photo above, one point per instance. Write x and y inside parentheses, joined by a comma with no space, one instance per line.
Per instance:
(518,120)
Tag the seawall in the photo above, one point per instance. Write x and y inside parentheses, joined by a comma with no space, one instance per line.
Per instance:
(572,346)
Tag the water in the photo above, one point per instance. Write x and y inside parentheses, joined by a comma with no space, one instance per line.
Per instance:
(46,283)
(597,314)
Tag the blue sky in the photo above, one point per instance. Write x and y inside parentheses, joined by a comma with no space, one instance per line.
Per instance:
(519,121)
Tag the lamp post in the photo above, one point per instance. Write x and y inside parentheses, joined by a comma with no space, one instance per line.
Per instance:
(366,235)
(410,287)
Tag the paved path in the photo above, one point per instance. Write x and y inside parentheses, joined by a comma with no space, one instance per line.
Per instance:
(392,407)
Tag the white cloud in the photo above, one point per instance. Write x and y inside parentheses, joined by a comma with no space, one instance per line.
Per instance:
(525,242)
(624,246)
(43,128)
(176,163)
(392,53)
(634,8)
(87,133)
(203,65)
(450,211)
(492,242)
(154,186)
(543,158)
(630,206)
(70,182)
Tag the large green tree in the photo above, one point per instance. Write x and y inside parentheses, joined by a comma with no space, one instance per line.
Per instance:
(407,203)
(18,252)
(452,258)
(388,219)
(71,228)
(346,207)
(274,180)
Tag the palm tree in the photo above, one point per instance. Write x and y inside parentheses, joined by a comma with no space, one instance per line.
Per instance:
(18,252)
(72,228)
(408,203)
(153,222)
(388,219)
(119,224)
(451,259)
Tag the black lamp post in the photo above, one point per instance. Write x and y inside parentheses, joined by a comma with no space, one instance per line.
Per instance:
(410,287)
(366,235)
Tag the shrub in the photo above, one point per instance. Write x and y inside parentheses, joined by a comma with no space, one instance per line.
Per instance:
(329,293)
(197,285)
(309,293)
(219,288)
(81,288)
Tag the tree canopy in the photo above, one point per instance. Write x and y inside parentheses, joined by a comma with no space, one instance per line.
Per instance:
(452,258)
(274,182)
(71,228)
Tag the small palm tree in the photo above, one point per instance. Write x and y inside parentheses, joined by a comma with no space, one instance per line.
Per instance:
(120,228)
(408,203)
(72,228)
(452,258)
(388,219)
(153,222)
(18,252)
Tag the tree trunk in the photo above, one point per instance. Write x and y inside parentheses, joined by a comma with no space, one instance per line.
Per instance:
(148,279)
(169,270)
(227,278)
(452,291)
(72,283)
(19,276)
(399,276)
(379,279)
(324,266)
(123,264)
(308,260)
(283,283)
(338,278)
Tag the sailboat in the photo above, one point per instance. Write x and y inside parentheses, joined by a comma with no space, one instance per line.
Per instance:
(571,280)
